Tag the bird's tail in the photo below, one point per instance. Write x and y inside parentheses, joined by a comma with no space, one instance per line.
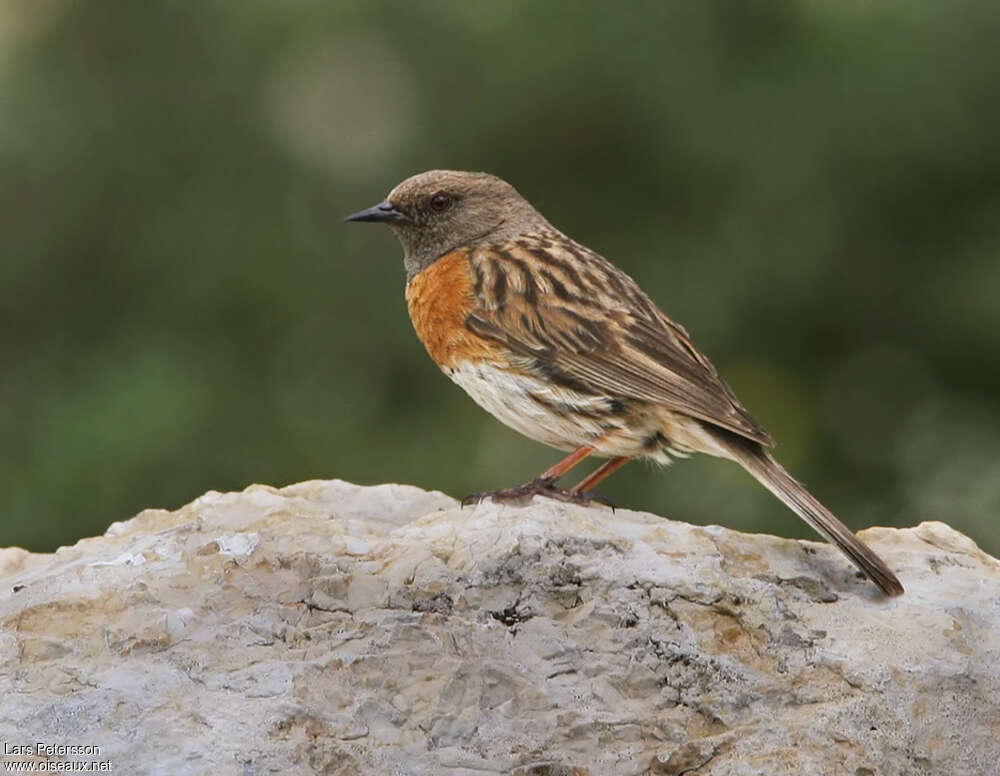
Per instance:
(772,475)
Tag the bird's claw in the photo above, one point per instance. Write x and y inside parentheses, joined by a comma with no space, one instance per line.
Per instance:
(519,493)
(586,497)
(537,487)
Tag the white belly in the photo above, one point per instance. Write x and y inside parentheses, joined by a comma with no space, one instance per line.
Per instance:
(555,416)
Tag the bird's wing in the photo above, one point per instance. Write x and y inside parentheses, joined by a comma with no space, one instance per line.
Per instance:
(566,313)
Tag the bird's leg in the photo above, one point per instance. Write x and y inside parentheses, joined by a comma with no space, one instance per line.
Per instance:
(543,484)
(582,490)
(606,469)
(557,470)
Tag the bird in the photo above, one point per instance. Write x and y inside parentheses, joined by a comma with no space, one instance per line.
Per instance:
(561,345)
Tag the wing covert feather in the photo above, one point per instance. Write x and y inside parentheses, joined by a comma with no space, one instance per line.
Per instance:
(564,311)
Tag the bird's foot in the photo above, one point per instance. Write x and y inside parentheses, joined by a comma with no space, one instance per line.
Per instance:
(540,486)
(586,497)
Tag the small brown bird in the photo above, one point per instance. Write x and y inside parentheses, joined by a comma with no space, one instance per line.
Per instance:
(559,344)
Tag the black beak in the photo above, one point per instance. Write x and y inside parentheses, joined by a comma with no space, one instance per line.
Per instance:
(383,213)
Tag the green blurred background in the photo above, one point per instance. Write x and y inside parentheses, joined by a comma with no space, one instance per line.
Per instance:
(811,188)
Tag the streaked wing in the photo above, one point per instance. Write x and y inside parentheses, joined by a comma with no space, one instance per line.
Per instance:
(570,315)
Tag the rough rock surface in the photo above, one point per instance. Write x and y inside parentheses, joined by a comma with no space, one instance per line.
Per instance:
(330,628)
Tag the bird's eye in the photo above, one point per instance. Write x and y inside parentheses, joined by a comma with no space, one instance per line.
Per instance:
(441,201)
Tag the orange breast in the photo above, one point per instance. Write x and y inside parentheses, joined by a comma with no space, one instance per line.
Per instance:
(440,298)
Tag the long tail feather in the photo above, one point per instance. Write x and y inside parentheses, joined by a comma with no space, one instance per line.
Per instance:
(772,475)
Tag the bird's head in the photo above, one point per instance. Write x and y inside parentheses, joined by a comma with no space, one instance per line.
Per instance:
(439,211)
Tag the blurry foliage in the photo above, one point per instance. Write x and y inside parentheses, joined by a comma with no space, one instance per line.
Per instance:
(810,188)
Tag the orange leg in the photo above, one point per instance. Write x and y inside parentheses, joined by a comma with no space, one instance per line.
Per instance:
(541,485)
(608,467)
(557,470)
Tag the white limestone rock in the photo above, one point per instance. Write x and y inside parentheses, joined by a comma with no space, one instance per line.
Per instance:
(336,629)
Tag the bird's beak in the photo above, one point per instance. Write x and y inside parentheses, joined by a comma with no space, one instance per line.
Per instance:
(382,213)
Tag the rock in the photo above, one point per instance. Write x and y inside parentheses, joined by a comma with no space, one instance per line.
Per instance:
(335,629)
